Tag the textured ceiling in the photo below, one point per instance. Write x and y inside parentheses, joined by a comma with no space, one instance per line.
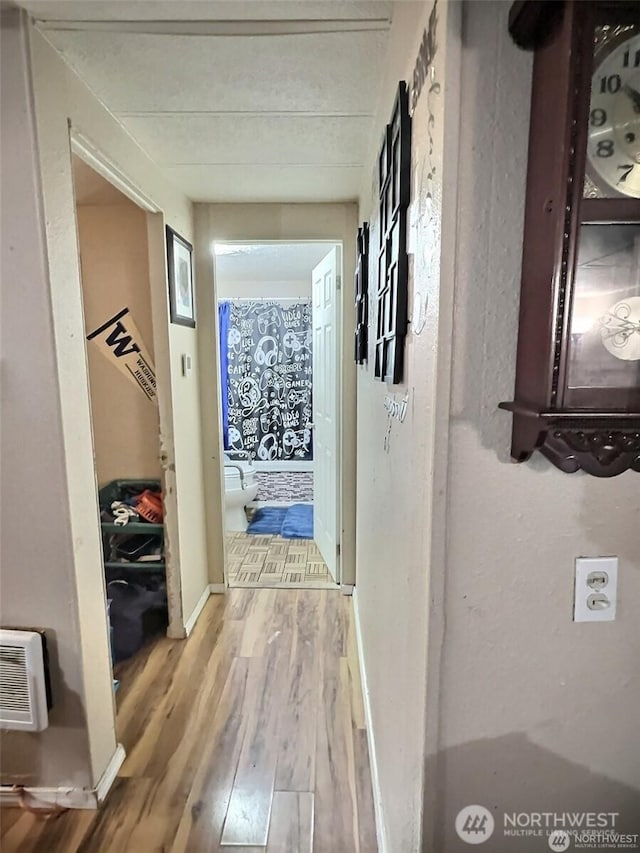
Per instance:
(207,10)
(269,262)
(270,116)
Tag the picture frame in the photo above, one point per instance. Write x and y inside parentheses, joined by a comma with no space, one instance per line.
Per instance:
(362,294)
(182,307)
(394,175)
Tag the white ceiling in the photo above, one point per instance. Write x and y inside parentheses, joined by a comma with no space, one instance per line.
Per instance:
(274,115)
(208,10)
(268,262)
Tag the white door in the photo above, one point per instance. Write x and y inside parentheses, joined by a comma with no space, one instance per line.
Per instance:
(325,278)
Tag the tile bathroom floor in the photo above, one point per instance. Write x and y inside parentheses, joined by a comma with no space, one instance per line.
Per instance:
(274,562)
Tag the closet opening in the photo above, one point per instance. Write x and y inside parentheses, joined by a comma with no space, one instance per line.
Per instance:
(115,272)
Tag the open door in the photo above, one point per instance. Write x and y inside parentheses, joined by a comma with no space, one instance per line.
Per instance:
(325,408)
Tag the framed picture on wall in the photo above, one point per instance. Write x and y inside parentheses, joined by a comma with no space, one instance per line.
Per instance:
(394,172)
(179,265)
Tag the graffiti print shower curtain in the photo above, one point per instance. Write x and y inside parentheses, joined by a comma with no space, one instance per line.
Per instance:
(268,378)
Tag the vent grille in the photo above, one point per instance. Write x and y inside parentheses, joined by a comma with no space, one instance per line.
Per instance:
(14,680)
(23,687)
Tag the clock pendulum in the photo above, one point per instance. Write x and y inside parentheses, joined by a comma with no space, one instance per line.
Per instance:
(620,329)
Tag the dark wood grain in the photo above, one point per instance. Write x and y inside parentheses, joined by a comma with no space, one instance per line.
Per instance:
(335,821)
(206,806)
(297,733)
(248,736)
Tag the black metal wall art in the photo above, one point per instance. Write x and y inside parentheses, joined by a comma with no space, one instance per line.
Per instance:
(362,294)
(394,169)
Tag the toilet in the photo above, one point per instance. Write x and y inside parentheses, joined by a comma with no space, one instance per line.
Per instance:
(240,488)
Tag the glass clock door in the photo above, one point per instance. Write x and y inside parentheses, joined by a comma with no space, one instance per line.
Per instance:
(604,326)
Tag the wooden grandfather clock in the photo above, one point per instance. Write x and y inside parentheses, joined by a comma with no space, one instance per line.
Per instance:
(577,394)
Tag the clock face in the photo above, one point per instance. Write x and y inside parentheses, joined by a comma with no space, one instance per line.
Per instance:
(613,149)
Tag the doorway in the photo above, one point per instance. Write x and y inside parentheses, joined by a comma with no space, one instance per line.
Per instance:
(115,275)
(278,312)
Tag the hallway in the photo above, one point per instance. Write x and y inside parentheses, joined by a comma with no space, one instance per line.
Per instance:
(250,735)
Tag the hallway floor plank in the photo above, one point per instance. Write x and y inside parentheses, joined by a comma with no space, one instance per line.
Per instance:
(248,736)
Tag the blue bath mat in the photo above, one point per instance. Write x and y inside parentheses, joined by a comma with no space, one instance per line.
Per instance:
(268,519)
(298,522)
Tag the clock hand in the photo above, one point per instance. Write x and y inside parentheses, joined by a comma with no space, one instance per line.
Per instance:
(634,95)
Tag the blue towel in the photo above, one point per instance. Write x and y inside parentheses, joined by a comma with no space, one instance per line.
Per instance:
(293,522)
(267,519)
(298,522)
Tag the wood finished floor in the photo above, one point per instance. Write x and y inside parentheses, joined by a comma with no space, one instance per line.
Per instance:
(271,561)
(248,736)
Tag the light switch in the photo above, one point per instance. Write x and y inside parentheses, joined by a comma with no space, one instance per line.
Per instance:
(186,364)
(596,589)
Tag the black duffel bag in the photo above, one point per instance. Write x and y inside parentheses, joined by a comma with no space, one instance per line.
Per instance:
(135,615)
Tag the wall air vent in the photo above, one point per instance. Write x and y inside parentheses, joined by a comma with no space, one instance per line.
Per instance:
(23,681)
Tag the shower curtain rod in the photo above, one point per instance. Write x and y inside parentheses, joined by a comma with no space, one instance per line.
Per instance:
(264,299)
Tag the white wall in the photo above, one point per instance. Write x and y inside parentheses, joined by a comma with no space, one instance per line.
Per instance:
(399,489)
(481,689)
(60,99)
(256,223)
(38,581)
(114,257)
(536,712)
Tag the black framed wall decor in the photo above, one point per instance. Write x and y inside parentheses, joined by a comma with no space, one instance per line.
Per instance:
(362,294)
(180,273)
(394,172)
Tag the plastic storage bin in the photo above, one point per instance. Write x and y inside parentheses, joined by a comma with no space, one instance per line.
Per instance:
(121,544)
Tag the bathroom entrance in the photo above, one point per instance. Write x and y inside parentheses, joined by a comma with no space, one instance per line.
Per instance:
(278,313)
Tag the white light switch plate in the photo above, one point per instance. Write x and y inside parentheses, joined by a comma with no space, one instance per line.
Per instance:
(596,589)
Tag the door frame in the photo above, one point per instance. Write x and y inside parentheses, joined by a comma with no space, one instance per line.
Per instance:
(340,276)
(287,223)
(100,163)
(337,318)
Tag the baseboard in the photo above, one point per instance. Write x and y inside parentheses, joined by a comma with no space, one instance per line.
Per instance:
(217,588)
(373,760)
(46,798)
(67,798)
(191,621)
(346,588)
(109,776)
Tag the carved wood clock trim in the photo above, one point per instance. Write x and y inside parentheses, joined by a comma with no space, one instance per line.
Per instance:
(595,428)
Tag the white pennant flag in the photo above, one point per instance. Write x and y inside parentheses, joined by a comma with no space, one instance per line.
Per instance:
(120,341)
